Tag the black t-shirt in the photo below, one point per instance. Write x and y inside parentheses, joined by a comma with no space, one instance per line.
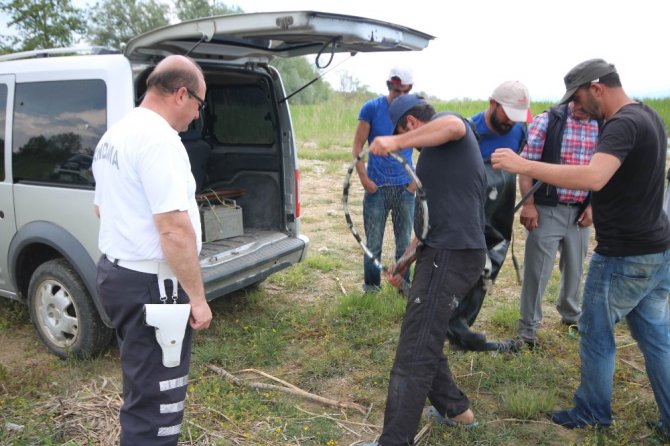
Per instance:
(628,212)
(454,180)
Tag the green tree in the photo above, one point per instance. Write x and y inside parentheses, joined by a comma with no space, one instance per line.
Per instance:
(296,72)
(114,22)
(193,9)
(41,24)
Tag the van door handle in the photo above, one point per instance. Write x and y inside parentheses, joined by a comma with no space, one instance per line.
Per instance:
(2,214)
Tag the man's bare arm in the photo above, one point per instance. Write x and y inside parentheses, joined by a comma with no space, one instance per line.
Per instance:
(434,133)
(593,176)
(528,216)
(179,247)
(360,138)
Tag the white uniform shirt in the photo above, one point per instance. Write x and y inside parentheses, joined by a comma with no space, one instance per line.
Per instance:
(141,168)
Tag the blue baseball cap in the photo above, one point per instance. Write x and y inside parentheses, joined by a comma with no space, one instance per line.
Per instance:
(401,105)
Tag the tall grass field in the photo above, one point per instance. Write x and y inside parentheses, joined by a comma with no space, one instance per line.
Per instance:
(333,123)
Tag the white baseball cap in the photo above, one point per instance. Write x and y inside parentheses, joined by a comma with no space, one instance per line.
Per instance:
(401,76)
(514,98)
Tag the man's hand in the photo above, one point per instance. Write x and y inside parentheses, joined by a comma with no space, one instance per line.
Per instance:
(396,279)
(201,315)
(529,216)
(399,276)
(369,185)
(586,219)
(382,145)
(507,160)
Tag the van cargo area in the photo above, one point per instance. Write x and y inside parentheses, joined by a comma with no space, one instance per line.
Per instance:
(237,152)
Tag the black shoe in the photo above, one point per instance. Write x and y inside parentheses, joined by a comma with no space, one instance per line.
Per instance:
(563,418)
(510,346)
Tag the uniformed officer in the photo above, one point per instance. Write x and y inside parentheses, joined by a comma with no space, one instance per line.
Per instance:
(149,231)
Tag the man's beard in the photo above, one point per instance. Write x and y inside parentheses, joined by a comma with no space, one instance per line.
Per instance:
(500,128)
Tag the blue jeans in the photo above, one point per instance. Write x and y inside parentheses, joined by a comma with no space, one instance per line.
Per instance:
(634,287)
(400,202)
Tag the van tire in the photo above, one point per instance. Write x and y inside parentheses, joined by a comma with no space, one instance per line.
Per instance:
(63,312)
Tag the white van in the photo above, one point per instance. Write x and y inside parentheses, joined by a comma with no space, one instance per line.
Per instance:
(56,104)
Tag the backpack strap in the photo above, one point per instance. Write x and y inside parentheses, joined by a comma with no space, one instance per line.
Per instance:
(524,137)
(473,127)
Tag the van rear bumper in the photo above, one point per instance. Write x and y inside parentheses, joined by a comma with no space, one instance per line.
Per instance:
(253,262)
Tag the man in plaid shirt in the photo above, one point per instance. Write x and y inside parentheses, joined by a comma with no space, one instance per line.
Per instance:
(555,217)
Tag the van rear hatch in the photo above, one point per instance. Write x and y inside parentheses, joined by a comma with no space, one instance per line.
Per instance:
(262,36)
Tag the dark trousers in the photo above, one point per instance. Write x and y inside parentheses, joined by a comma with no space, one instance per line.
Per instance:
(153,395)
(458,332)
(420,369)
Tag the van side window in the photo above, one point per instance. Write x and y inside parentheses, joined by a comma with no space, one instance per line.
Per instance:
(244,114)
(57,125)
(3,120)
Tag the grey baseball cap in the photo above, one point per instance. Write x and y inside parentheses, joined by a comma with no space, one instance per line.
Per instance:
(587,71)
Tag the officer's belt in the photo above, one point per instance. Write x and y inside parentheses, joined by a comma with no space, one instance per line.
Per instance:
(142,266)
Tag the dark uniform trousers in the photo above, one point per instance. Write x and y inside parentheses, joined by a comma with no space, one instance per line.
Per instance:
(153,395)
(441,280)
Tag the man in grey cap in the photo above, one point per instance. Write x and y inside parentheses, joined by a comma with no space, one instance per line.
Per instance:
(448,264)
(629,274)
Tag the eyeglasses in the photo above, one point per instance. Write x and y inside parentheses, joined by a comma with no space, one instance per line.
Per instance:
(201,102)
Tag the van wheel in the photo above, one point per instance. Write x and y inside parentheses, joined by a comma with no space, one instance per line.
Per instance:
(63,312)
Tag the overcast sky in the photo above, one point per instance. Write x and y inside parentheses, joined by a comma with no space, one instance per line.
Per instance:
(481,43)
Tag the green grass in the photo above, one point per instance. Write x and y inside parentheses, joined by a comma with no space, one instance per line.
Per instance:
(323,263)
(301,327)
(526,403)
(506,317)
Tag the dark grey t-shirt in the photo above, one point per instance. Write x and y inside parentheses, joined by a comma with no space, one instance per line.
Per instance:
(628,212)
(454,180)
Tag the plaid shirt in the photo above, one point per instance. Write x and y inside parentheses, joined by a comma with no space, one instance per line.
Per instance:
(579,143)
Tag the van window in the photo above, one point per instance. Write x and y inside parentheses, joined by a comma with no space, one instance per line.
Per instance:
(3,120)
(56,128)
(244,114)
